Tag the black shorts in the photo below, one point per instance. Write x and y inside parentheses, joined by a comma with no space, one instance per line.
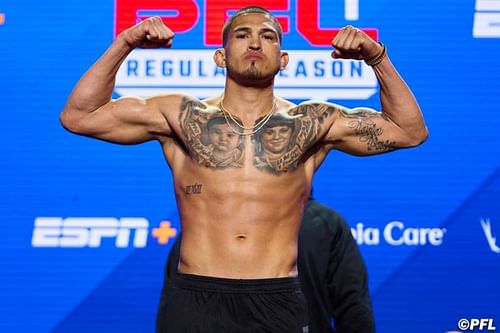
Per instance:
(193,303)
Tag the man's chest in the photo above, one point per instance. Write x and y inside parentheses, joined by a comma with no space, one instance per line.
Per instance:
(275,143)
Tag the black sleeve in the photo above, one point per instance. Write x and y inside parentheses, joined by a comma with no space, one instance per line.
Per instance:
(348,281)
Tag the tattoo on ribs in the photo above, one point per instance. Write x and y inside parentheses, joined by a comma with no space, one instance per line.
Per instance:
(209,138)
(192,189)
(366,129)
(281,143)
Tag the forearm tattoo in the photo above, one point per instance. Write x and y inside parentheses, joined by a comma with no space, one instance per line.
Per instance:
(209,138)
(281,143)
(364,126)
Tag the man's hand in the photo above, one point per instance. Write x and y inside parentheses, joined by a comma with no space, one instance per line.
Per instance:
(149,34)
(352,43)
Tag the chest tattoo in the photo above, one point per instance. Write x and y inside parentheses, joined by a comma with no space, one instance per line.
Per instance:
(281,143)
(278,146)
(209,138)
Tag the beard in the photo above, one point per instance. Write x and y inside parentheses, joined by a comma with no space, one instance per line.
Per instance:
(252,75)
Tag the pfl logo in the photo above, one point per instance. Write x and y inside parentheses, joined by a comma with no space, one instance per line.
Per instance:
(310,74)
(184,15)
(476,323)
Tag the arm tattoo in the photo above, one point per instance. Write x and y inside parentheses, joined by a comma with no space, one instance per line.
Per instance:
(209,138)
(281,143)
(367,131)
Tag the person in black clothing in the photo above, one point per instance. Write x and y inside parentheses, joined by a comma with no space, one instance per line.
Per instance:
(332,274)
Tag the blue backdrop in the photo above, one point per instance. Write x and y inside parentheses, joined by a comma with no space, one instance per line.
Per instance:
(425,218)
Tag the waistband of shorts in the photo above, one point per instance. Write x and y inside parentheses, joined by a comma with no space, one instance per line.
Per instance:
(209,283)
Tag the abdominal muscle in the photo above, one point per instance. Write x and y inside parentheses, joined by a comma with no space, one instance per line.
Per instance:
(242,223)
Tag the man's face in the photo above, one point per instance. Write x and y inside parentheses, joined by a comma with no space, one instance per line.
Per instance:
(253,48)
(223,138)
(276,139)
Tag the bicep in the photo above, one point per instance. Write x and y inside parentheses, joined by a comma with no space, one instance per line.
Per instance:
(127,120)
(364,131)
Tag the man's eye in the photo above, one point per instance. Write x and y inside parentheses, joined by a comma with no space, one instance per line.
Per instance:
(241,36)
(271,37)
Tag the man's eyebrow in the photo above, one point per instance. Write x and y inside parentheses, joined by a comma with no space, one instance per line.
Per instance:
(264,30)
(241,29)
(247,29)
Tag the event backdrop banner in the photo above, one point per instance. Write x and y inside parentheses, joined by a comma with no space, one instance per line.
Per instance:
(87,225)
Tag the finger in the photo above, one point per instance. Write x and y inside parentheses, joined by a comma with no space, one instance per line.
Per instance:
(164,37)
(167,33)
(336,37)
(160,29)
(151,25)
(341,37)
(337,54)
(148,29)
(156,35)
(349,36)
(164,34)
(354,44)
(350,43)
(169,42)
(339,40)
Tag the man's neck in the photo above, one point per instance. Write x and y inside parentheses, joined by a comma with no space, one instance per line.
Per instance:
(247,102)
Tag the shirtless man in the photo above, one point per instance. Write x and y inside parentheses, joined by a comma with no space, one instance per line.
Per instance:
(237,264)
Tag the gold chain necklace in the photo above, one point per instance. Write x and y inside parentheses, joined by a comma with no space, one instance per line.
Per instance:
(254,129)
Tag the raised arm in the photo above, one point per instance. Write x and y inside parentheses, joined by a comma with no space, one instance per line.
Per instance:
(90,111)
(363,131)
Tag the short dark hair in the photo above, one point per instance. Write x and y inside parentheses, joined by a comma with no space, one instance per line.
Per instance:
(249,10)
(215,121)
(279,120)
(275,121)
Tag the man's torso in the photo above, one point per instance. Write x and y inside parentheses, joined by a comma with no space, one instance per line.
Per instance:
(241,193)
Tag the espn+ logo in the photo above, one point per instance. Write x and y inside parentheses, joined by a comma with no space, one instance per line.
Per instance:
(79,232)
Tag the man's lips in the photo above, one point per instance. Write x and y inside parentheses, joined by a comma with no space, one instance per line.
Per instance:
(253,56)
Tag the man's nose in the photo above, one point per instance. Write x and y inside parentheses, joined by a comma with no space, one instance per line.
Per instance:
(254,44)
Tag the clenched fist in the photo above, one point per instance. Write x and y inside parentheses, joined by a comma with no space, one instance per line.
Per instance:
(149,34)
(352,43)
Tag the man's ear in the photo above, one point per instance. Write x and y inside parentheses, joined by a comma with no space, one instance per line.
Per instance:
(220,58)
(283,60)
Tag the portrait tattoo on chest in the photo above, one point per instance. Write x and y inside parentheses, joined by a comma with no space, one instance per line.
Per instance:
(208,137)
(281,143)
